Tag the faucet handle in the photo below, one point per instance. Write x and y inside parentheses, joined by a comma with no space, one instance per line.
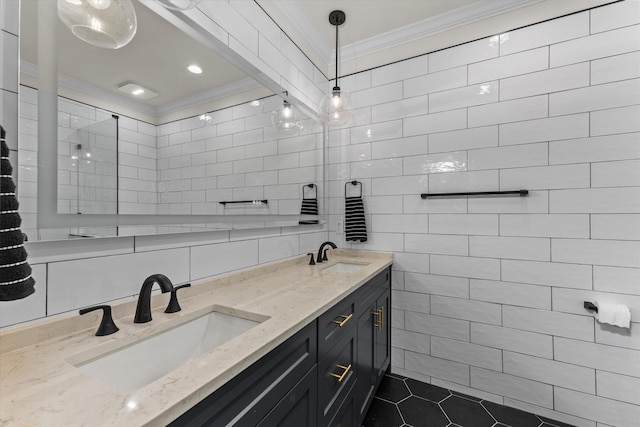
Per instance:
(174,306)
(324,255)
(311,261)
(107,326)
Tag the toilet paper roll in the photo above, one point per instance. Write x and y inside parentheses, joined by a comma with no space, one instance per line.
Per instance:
(613,314)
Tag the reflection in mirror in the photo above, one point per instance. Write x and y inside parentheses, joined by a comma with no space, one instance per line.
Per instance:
(202,141)
(88,169)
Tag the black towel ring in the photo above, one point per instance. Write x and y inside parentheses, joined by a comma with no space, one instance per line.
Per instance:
(311,186)
(352,183)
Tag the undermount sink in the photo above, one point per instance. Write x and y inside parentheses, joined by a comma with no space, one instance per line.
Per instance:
(345,267)
(139,364)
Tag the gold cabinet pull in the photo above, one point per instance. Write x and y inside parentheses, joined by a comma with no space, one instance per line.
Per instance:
(379,319)
(345,369)
(382,317)
(344,320)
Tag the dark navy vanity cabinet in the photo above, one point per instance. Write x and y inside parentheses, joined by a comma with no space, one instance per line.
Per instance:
(325,375)
(374,338)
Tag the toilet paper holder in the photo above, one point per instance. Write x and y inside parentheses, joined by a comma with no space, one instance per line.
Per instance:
(590,306)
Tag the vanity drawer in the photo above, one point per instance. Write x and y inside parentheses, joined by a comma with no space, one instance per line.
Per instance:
(337,323)
(252,394)
(298,407)
(337,373)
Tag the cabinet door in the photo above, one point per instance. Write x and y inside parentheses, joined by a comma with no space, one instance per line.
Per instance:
(337,373)
(382,347)
(299,406)
(347,416)
(365,386)
(369,292)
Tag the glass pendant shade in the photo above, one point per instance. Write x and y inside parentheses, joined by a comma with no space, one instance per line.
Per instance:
(109,24)
(337,107)
(286,119)
(179,4)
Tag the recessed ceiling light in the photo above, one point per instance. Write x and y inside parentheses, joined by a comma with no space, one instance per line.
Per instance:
(137,91)
(194,69)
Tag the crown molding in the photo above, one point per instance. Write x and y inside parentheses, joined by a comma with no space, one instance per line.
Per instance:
(474,12)
(154,111)
(234,88)
(300,22)
(91,90)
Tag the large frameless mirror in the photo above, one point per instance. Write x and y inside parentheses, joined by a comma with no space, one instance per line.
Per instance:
(130,141)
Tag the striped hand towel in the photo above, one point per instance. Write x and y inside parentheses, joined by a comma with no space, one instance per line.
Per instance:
(354,224)
(309,207)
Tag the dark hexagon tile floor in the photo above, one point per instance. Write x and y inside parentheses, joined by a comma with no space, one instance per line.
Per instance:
(417,411)
(383,414)
(465,412)
(405,402)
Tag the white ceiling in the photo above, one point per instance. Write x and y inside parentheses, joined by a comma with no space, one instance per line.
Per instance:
(376,32)
(156,58)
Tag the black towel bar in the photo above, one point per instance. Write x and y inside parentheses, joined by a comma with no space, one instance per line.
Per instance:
(312,187)
(521,193)
(354,183)
(255,202)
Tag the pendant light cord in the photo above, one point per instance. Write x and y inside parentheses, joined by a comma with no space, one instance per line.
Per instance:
(337,18)
(337,25)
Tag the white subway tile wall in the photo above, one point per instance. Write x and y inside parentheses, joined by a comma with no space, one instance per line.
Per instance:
(9,66)
(498,284)
(487,292)
(237,156)
(72,274)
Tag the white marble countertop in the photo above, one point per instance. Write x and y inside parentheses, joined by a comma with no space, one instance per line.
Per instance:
(40,386)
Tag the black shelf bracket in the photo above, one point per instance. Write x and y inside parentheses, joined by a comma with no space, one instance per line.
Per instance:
(521,193)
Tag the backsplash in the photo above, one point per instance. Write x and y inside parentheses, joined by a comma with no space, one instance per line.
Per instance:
(489,291)
(72,274)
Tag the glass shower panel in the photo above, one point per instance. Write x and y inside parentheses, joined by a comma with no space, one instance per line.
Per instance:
(97,168)
(88,174)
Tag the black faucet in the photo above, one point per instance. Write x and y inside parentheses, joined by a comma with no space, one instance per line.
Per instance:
(107,326)
(174,305)
(321,257)
(143,310)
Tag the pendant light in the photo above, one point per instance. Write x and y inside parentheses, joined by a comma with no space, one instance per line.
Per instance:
(109,24)
(286,119)
(339,102)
